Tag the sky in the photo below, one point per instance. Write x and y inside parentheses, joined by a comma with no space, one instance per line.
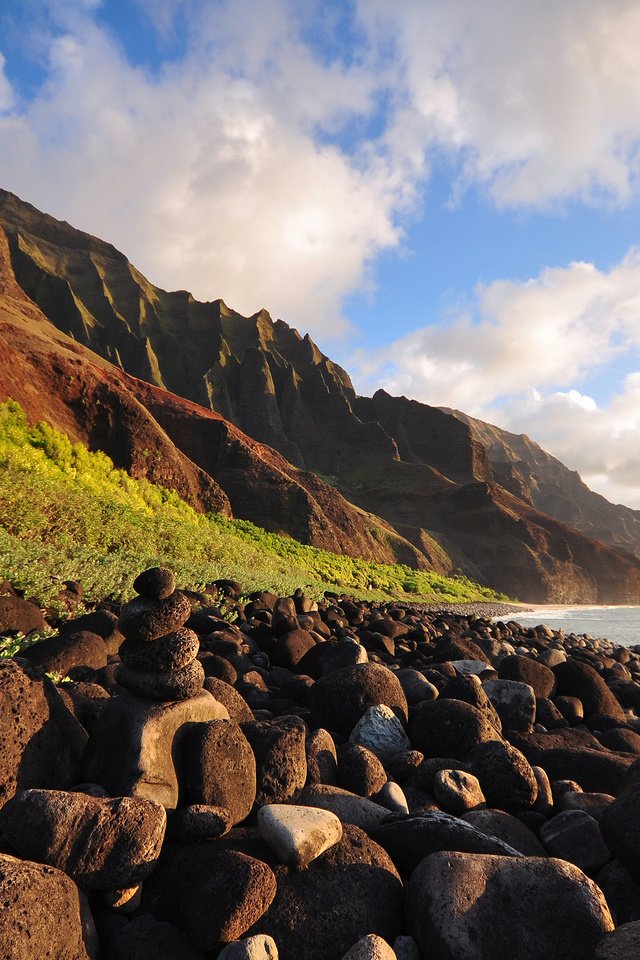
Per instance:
(444,193)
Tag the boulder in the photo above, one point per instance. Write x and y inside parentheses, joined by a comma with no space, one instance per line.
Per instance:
(620,825)
(220,768)
(180,684)
(408,840)
(156,583)
(575,836)
(457,792)
(41,742)
(226,902)
(348,807)
(346,893)
(281,760)
(199,822)
(449,728)
(237,707)
(146,938)
(136,746)
(515,703)
(173,651)
(360,771)
(506,827)
(380,731)
(542,908)
(621,891)
(322,758)
(100,843)
(620,944)
(577,679)
(296,834)
(43,914)
(339,699)
(60,655)
(505,775)
(527,670)
(19,616)
(145,619)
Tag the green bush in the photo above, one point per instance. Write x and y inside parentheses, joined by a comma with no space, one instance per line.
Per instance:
(68,514)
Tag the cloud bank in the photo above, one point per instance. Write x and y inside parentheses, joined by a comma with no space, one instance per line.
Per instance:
(511,354)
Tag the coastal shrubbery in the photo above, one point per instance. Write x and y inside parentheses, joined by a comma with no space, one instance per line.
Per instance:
(69,514)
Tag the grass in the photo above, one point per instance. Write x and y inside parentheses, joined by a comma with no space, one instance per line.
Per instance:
(68,514)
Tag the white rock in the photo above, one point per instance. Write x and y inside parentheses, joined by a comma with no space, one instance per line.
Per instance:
(371,947)
(381,732)
(391,796)
(260,947)
(296,834)
(466,667)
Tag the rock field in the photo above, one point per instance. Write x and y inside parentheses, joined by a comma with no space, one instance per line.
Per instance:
(337,780)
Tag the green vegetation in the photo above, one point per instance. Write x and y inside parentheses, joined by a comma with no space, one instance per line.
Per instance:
(68,514)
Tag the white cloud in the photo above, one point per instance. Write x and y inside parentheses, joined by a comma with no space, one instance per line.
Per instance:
(271,171)
(517,356)
(537,100)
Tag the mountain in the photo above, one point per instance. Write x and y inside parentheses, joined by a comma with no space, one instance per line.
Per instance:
(521,466)
(375,476)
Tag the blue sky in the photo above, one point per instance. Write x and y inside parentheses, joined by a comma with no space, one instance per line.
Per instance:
(444,194)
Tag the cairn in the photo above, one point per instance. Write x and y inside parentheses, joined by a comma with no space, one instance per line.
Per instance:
(159,653)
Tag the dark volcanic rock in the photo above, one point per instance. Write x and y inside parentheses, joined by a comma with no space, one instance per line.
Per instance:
(19,616)
(408,840)
(360,771)
(157,583)
(145,620)
(505,775)
(101,844)
(621,891)
(351,890)
(59,655)
(228,901)
(220,768)
(578,679)
(542,908)
(43,914)
(506,827)
(180,684)
(322,759)
(281,761)
(340,699)
(136,746)
(575,836)
(620,825)
(526,670)
(237,706)
(621,944)
(41,742)
(449,728)
(173,651)
(146,938)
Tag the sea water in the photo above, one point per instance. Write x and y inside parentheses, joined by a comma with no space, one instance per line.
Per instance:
(619,624)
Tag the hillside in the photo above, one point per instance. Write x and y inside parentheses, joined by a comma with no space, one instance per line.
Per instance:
(248,412)
(69,514)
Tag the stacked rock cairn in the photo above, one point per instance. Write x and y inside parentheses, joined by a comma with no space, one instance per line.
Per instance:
(159,653)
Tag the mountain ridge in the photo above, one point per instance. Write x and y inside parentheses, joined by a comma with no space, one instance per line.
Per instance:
(429,478)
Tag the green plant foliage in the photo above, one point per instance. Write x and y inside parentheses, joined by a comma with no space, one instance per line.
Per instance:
(68,514)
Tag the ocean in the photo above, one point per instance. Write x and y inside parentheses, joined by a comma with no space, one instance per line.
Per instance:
(619,624)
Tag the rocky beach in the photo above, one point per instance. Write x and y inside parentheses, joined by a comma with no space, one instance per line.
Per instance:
(201,775)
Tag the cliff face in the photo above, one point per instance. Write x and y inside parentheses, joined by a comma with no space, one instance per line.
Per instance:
(526,470)
(381,477)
